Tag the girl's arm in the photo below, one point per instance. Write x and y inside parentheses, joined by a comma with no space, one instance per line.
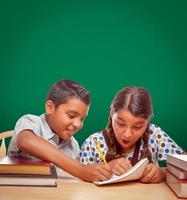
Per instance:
(42,149)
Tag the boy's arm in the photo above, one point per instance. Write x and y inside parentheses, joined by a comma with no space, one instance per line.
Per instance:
(44,150)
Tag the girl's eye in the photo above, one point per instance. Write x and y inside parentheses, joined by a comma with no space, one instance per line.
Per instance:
(71,116)
(137,127)
(120,124)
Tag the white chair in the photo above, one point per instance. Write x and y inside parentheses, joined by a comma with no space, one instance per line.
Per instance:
(4,135)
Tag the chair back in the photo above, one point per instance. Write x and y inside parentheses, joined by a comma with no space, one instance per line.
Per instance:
(4,135)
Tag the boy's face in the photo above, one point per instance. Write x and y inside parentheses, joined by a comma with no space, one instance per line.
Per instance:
(128,128)
(67,118)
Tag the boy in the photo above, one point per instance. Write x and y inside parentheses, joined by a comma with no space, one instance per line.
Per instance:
(50,136)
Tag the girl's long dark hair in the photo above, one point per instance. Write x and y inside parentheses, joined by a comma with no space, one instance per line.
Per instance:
(138,102)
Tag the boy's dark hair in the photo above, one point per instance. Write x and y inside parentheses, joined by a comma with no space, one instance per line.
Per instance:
(138,102)
(62,90)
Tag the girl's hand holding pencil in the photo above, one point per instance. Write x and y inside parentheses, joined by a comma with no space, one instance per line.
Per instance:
(118,166)
(97,172)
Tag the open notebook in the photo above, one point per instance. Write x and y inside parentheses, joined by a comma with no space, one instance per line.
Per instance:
(133,173)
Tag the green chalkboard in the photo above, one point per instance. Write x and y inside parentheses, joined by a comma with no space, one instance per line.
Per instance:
(104,45)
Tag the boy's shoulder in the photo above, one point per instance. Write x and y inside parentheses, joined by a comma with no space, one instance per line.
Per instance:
(31,122)
(30,117)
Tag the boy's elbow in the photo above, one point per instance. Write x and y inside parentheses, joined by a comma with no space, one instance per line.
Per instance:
(21,145)
(23,141)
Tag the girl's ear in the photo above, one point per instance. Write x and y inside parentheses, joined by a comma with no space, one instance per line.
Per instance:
(49,107)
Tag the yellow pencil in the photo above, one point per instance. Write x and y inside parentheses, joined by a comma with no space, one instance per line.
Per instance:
(100,151)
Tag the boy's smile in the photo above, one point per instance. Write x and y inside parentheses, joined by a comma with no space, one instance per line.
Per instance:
(67,118)
(68,133)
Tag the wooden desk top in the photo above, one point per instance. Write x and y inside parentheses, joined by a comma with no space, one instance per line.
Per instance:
(69,189)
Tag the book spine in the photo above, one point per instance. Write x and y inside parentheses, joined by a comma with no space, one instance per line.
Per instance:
(179,173)
(178,163)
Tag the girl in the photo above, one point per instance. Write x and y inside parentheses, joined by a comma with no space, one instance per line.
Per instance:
(50,136)
(129,136)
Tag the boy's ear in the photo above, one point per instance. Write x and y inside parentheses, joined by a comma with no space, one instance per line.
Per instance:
(49,107)
(111,112)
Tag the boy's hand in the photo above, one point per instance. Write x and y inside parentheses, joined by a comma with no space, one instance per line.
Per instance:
(152,174)
(95,172)
(119,166)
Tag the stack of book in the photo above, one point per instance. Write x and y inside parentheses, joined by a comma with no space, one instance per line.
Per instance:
(176,177)
(27,172)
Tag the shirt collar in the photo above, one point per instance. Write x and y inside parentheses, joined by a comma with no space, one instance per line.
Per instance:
(50,134)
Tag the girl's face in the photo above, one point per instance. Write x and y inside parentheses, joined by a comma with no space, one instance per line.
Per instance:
(128,129)
(67,118)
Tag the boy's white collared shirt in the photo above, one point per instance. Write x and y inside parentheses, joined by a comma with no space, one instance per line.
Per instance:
(39,126)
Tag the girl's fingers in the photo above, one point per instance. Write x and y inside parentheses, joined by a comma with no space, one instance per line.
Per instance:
(148,173)
(121,167)
(102,178)
(118,171)
(155,179)
(152,175)
(100,172)
(126,165)
(147,170)
(105,171)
